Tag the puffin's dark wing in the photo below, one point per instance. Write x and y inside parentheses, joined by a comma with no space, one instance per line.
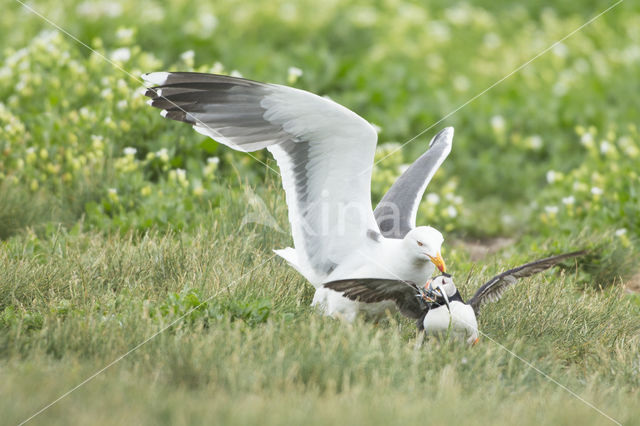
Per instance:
(493,289)
(396,212)
(404,294)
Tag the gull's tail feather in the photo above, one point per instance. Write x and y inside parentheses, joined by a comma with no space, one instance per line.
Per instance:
(291,256)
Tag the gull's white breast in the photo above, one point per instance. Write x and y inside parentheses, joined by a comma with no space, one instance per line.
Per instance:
(384,259)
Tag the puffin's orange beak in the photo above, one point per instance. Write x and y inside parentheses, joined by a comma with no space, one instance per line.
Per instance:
(439,262)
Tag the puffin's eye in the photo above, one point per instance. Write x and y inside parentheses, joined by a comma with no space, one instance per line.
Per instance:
(420,244)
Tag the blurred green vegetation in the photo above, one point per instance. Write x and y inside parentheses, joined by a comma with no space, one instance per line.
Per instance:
(68,115)
(115,222)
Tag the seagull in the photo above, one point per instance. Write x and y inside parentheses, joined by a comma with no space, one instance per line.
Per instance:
(438,307)
(325,153)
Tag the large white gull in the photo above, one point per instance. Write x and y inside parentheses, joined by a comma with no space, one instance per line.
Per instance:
(325,153)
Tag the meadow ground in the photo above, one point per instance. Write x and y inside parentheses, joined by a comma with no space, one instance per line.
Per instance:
(123,234)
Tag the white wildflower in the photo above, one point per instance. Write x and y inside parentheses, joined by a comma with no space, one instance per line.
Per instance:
(596,191)
(560,50)
(125,35)
(581,66)
(552,210)
(208,23)
(440,31)
(458,15)
(586,139)
(625,141)
(498,124)
(605,147)
(98,9)
(507,219)
(188,55)
(433,198)
(213,160)
(579,186)
(198,190)
(560,88)
(567,201)
(365,16)
(461,83)
(235,73)
(293,74)
(130,151)
(620,232)
(535,142)
(122,54)
(217,68)
(452,212)
(551,176)
(163,154)
(491,41)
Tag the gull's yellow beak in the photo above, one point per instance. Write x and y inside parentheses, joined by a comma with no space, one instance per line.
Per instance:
(439,262)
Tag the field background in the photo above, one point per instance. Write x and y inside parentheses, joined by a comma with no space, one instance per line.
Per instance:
(117,226)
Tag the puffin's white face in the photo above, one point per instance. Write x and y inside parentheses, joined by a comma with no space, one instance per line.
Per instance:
(444,282)
(442,287)
(425,242)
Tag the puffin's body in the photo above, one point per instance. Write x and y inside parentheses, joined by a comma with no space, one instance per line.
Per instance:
(447,316)
(459,320)
(438,306)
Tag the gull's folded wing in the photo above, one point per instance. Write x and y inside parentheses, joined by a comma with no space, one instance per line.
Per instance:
(404,294)
(324,152)
(396,213)
(493,289)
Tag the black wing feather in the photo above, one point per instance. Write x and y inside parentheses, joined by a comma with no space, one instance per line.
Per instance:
(229,106)
(493,289)
(404,294)
(396,212)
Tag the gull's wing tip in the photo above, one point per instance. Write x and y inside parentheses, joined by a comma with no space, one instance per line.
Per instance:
(157,78)
(445,135)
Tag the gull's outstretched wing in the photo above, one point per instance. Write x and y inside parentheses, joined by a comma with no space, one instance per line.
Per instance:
(404,294)
(493,289)
(324,152)
(396,213)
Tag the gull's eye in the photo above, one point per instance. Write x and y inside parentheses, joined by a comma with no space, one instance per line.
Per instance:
(420,244)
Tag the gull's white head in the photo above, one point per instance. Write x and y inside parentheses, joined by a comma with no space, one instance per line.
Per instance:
(425,243)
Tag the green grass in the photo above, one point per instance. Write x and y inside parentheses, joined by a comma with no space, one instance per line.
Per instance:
(254,351)
(102,248)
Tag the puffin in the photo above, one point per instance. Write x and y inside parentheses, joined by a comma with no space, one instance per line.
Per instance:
(437,306)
